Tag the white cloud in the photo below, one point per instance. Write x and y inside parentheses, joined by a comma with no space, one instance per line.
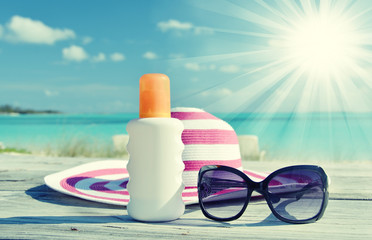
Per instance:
(87,40)
(50,93)
(150,55)
(117,57)
(224,92)
(203,30)
(27,30)
(193,66)
(74,53)
(174,25)
(212,67)
(101,57)
(199,67)
(230,68)
(179,27)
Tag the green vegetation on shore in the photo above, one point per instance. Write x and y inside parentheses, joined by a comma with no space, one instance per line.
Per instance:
(76,146)
(73,148)
(83,147)
(7,109)
(14,150)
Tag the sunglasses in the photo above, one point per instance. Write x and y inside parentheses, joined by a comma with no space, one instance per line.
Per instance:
(295,194)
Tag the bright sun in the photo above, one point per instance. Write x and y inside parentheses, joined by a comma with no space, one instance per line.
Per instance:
(321,44)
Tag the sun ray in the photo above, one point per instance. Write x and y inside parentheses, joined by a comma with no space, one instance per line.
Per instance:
(273,10)
(296,12)
(218,57)
(183,98)
(253,90)
(235,11)
(241,32)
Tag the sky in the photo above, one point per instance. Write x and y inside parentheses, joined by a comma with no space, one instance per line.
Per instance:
(223,56)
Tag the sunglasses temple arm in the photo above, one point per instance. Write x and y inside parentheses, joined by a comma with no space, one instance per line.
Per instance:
(298,194)
(228,182)
(224,183)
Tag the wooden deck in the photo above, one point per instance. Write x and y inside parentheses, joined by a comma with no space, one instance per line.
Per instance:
(30,210)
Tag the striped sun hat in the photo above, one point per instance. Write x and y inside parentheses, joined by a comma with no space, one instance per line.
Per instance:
(208,140)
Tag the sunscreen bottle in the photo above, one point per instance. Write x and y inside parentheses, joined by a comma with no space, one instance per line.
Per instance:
(155,162)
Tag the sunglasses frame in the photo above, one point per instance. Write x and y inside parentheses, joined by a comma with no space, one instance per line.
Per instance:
(262,188)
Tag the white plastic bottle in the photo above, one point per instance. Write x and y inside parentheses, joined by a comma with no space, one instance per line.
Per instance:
(155,164)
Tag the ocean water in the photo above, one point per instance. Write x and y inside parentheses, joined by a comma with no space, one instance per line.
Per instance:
(283,136)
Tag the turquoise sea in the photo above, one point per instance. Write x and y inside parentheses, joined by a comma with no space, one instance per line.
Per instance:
(289,136)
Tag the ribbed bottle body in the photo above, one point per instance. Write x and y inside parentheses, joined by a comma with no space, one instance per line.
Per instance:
(155,169)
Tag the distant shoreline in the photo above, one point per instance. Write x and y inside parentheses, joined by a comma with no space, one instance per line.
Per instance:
(12,111)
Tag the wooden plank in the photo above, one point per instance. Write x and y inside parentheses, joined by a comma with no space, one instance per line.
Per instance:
(30,210)
(344,219)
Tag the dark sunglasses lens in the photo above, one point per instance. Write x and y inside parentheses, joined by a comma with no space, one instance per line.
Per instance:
(222,193)
(297,194)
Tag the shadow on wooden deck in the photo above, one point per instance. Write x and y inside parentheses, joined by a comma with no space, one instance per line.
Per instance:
(196,222)
(45,194)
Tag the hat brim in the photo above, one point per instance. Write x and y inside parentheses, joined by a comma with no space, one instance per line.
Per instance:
(105,182)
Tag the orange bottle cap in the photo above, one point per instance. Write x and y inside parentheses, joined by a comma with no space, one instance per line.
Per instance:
(154,96)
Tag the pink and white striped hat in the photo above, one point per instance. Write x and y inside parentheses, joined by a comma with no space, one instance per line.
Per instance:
(208,140)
